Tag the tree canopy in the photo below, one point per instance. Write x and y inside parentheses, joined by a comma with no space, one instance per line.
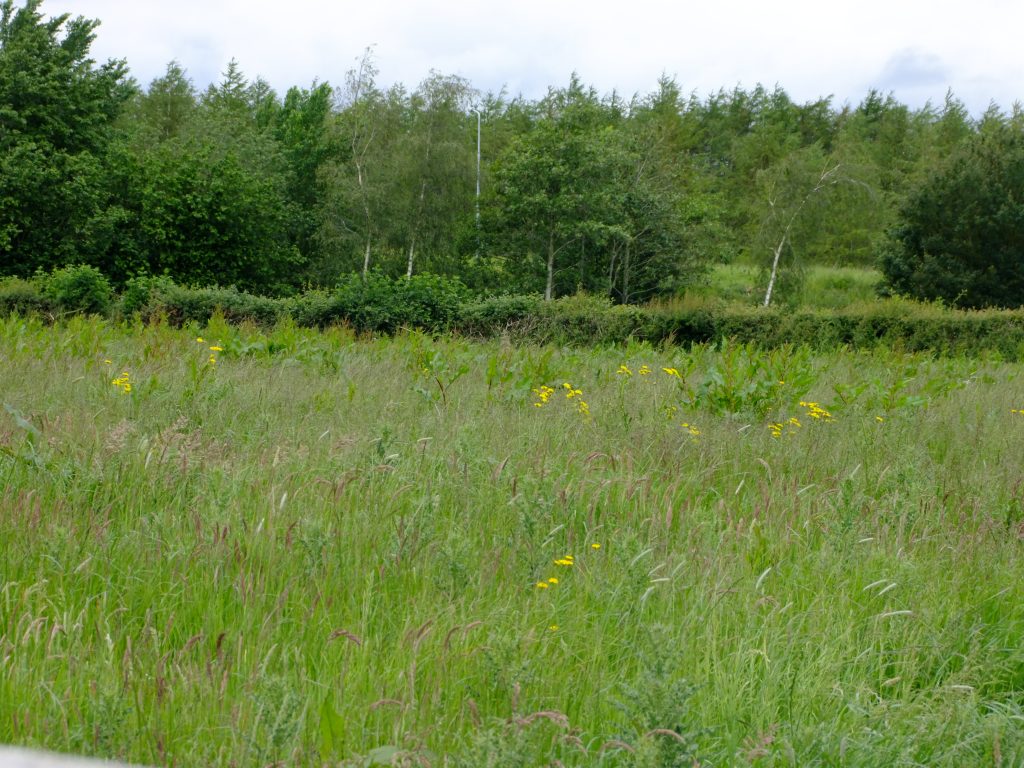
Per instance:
(631,198)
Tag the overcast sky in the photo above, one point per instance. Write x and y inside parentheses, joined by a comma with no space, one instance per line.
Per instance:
(915,48)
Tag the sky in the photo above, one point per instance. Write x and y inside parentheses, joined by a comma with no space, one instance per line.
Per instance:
(917,49)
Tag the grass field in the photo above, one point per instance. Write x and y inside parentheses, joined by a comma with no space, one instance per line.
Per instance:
(303,548)
(823,286)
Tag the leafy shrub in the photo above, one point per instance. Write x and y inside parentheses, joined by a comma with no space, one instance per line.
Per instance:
(77,289)
(154,296)
(380,303)
(960,233)
(21,296)
(140,295)
(493,315)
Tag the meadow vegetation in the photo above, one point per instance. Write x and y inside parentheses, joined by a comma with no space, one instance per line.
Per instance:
(227,545)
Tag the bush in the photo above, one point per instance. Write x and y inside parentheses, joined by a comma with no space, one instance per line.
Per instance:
(21,296)
(379,303)
(960,233)
(499,314)
(77,289)
(150,297)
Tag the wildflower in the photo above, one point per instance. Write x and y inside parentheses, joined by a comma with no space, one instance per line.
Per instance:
(553,628)
(815,411)
(553,580)
(543,394)
(200,340)
(570,391)
(213,360)
(108,362)
(672,372)
(624,370)
(795,421)
(583,408)
(879,419)
(644,371)
(216,349)
(542,585)
(694,432)
(775,428)
(595,545)
(565,562)
(123,382)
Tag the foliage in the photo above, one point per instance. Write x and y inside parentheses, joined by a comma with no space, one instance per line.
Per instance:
(57,113)
(77,289)
(20,296)
(960,234)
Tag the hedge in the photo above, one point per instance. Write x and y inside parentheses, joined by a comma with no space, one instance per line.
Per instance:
(383,305)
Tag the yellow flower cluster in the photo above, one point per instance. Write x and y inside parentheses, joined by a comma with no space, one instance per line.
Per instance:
(815,411)
(543,394)
(644,371)
(572,393)
(624,370)
(789,427)
(694,432)
(566,561)
(1017,410)
(123,382)
(673,372)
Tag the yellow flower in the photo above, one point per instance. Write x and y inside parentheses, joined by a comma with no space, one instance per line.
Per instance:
(595,545)
(108,362)
(623,369)
(564,561)
(553,580)
(644,370)
(553,627)
(216,349)
(200,340)
(672,372)
(213,360)
(542,585)
(879,419)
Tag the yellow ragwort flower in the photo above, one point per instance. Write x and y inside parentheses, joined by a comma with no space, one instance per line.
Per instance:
(200,340)
(542,585)
(552,580)
(595,545)
(216,349)
(644,370)
(624,370)
(553,627)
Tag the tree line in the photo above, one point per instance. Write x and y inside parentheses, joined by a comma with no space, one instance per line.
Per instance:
(630,198)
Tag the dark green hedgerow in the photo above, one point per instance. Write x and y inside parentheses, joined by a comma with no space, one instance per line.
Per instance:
(380,304)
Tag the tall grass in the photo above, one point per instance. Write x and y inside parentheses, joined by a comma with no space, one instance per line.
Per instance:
(307,548)
(821,286)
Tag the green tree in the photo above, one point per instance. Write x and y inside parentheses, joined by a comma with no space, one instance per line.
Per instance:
(555,193)
(354,213)
(57,115)
(959,236)
(434,181)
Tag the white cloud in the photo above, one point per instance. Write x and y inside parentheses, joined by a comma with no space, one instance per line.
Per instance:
(812,49)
